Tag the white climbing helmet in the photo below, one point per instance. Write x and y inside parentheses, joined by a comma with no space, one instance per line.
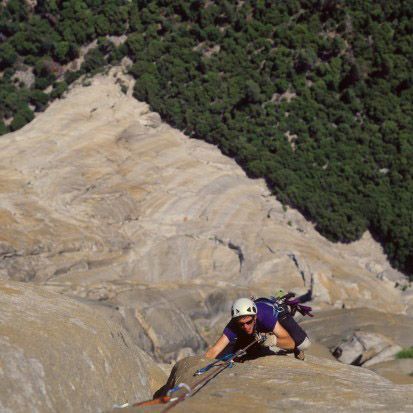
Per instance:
(243,307)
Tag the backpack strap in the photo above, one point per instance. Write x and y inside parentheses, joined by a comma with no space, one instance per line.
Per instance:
(287,302)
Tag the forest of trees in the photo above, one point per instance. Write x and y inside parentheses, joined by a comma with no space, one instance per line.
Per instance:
(315,96)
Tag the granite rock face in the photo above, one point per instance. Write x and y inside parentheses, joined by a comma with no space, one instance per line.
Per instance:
(158,324)
(398,371)
(329,327)
(364,349)
(283,384)
(58,355)
(97,192)
(102,201)
(365,337)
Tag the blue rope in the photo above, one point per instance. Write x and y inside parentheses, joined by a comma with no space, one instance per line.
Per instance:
(209,366)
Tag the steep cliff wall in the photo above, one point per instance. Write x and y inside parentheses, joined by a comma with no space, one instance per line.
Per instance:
(98,190)
(101,200)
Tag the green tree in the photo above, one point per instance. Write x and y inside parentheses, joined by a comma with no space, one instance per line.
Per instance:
(58,90)
(94,60)
(39,99)
(3,128)
(23,116)
(8,56)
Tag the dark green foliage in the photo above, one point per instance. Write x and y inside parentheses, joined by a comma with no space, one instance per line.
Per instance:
(8,56)
(18,9)
(94,60)
(58,90)
(70,77)
(135,45)
(39,99)
(3,128)
(64,51)
(23,116)
(334,79)
(406,353)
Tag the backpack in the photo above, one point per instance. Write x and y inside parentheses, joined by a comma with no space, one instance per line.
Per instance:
(287,304)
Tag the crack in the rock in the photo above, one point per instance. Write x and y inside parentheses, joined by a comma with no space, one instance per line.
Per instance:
(270,249)
(295,261)
(149,332)
(233,247)
(301,271)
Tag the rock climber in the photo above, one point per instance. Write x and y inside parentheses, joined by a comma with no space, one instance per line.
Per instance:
(250,318)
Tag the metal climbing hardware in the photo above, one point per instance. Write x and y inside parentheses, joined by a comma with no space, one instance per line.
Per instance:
(294,304)
(170,400)
(159,400)
(229,358)
(176,388)
(214,363)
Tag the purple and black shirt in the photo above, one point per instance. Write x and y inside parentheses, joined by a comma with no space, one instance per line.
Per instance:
(267,316)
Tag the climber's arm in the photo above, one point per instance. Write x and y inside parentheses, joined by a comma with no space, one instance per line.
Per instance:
(219,346)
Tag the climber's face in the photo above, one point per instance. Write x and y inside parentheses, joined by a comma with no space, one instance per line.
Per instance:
(247,324)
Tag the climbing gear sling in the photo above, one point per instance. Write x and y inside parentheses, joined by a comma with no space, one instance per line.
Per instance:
(230,357)
(229,361)
(288,302)
(171,401)
(162,399)
(197,386)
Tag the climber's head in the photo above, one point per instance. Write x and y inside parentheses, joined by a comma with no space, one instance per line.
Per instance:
(244,312)
(246,324)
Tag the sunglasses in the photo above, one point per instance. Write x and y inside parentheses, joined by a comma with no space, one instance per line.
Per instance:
(246,323)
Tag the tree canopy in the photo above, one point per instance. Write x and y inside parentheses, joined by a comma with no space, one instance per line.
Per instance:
(314,96)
